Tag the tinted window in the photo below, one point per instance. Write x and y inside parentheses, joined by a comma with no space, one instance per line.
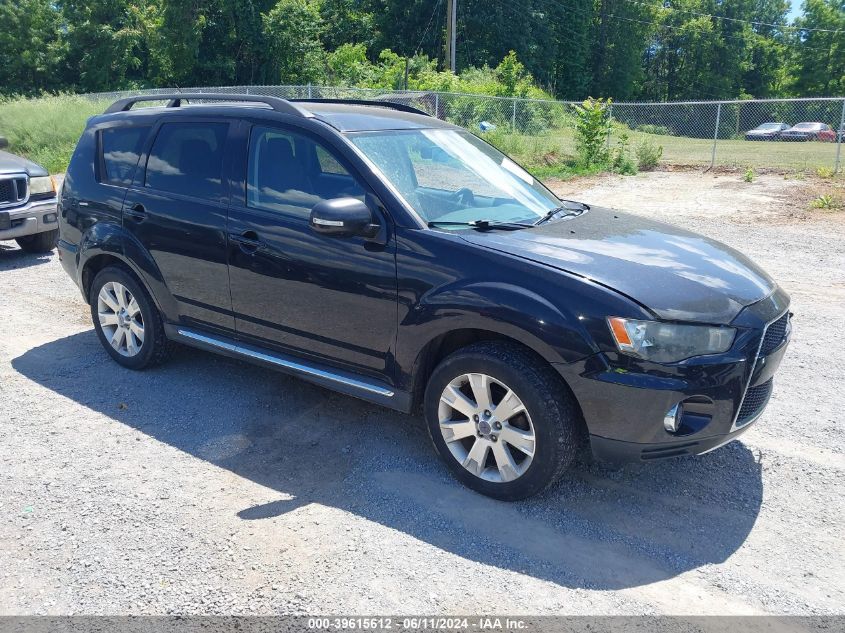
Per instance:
(187,158)
(292,173)
(120,147)
(329,164)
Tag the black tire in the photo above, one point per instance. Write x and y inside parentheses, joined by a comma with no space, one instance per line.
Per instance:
(39,242)
(156,347)
(554,414)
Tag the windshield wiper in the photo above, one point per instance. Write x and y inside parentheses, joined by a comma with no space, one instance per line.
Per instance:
(571,212)
(483,225)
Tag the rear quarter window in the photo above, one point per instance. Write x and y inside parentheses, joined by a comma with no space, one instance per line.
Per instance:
(120,148)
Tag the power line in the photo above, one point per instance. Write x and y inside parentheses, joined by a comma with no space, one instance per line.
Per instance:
(703,89)
(722,17)
(725,36)
(428,26)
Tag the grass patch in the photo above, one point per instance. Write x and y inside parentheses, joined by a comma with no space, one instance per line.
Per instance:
(533,151)
(546,156)
(46,129)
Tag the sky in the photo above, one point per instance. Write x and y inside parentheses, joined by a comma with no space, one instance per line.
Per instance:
(796,9)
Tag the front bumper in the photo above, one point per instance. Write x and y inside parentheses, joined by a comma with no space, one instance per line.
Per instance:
(28,219)
(624,401)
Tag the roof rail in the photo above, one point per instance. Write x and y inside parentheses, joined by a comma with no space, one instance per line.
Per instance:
(371,102)
(175,100)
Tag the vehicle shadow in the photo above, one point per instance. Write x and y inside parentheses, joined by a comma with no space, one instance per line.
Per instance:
(600,528)
(13,257)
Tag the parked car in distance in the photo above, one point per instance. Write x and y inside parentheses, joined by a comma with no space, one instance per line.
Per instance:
(389,255)
(809,131)
(27,203)
(766,132)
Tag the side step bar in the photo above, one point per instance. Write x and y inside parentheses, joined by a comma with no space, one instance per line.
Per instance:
(350,384)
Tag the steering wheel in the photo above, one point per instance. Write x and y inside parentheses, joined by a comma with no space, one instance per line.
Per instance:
(464,196)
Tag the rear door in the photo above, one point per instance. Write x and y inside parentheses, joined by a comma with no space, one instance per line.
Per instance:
(176,208)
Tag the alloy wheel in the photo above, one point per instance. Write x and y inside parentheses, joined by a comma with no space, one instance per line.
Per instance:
(120,318)
(486,427)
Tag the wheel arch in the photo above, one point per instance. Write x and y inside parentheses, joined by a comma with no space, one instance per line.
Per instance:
(449,342)
(108,244)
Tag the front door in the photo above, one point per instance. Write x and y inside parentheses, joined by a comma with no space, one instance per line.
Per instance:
(177,209)
(330,298)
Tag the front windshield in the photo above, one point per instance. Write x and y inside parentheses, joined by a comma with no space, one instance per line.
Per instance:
(451,176)
(769,126)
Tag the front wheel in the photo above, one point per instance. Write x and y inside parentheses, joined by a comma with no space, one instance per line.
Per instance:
(502,420)
(43,242)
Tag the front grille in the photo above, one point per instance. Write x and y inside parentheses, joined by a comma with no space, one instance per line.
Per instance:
(8,192)
(775,334)
(755,399)
(12,191)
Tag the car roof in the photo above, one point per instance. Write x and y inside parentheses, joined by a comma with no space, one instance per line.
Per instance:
(344,116)
(359,117)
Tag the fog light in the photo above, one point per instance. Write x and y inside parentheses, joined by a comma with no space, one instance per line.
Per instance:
(48,218)
(672,419)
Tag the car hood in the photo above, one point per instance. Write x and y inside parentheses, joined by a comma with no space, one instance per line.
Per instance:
(674,273)
(11,164)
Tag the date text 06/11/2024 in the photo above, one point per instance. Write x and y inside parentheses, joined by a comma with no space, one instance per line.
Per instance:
(485,623)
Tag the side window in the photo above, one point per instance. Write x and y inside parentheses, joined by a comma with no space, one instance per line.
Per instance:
(187,158)
(328,163)
(291,173)
(120,149)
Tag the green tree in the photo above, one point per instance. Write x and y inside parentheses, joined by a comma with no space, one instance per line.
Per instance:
(820,58)
(30,48)
(348,65)
(292,35)
(103,44)
(346,22)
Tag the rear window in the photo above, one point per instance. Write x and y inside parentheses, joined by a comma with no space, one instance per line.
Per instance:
(187,158)
(120,148)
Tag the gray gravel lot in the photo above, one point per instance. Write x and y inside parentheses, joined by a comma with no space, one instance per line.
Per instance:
(212,486)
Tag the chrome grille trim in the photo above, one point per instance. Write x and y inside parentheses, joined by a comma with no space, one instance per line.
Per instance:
(17,186)
(734,426)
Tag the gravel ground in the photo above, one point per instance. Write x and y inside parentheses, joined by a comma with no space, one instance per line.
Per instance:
(211,486)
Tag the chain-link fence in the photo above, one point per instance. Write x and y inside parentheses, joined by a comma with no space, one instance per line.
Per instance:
(778,134)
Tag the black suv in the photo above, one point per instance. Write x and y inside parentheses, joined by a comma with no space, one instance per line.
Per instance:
(381,252)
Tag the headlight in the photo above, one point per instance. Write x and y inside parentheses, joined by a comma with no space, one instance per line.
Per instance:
(41,184)
(668,342)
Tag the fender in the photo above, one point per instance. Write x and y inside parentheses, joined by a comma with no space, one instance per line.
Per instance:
(502,308)
(110,238)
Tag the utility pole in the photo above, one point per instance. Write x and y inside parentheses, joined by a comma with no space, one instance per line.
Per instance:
(451,19)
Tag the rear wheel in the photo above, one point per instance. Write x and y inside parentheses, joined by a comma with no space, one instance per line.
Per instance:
(127,322)
(501,419)
(43,242)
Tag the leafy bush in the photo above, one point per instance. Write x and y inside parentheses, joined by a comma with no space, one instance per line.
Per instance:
(46,129)
(592,127)
(749,175)
(648,155)
(825,172)
(621,161)
(826,201)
